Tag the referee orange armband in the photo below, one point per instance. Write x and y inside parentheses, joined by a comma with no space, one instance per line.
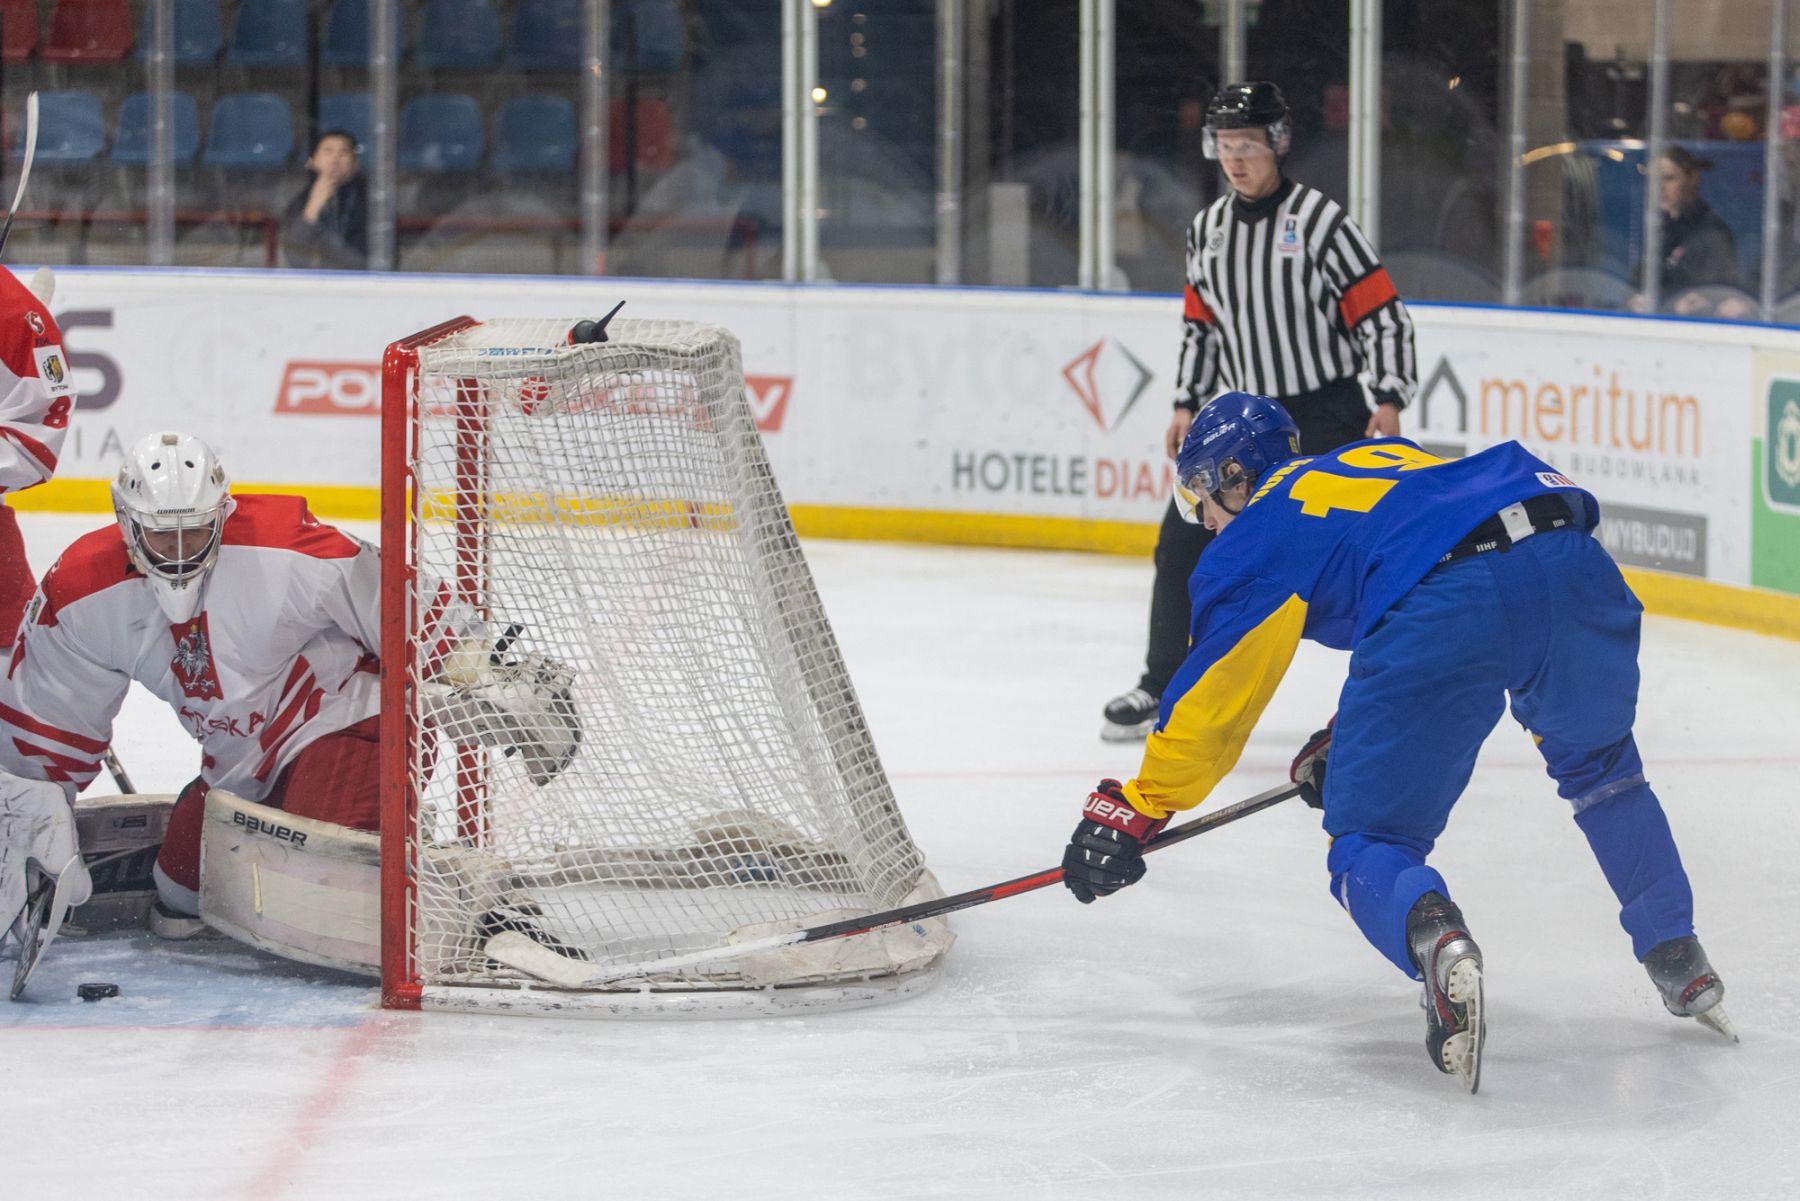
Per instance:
(1365,296)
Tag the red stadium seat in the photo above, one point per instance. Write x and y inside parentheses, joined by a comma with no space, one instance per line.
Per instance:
(655,135)
(18,29)
(88,31)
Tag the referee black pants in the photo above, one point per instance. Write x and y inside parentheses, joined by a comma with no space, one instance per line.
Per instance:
(1328,418)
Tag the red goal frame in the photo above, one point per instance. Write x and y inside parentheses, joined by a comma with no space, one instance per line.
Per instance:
(400,985)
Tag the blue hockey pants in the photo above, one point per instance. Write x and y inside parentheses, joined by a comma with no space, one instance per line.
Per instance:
(1551,625)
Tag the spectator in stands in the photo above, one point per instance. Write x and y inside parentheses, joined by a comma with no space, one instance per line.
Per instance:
(326,225)
(1698,250)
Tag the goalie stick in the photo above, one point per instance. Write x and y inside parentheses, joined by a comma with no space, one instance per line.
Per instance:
(46,905)
(116,770)
(520,951)
(30,153)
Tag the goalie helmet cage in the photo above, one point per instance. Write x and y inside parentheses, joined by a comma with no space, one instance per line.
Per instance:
(605,513)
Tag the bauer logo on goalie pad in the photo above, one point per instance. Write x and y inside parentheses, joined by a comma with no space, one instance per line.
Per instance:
(257,825)
(192,662)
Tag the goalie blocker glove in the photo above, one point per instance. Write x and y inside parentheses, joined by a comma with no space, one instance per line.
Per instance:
(1106,852)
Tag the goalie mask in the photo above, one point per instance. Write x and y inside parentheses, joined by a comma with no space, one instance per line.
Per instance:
(171,501)
(1235,439)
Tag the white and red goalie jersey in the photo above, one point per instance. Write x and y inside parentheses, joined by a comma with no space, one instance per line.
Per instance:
(282,650)
(35,393)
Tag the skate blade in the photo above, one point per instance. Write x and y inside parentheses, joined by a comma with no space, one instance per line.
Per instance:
(1462,1051)
(1715,1019)
(1109,732)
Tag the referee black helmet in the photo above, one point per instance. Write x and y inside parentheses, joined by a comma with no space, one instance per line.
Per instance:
(1255,105)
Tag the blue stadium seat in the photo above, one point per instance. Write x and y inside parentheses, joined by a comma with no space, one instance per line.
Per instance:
(346,42)
(546,36)
(657,27)
(269,33)
(250,129)
(348,112)
(131,138)
(458,33)
(535,135)
(440,133)
(199,34)
(71,129)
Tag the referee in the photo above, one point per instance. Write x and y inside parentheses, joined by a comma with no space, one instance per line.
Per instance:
(1285,298)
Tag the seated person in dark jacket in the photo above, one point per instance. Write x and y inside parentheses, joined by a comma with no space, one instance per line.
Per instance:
(326,225)
(1698,249)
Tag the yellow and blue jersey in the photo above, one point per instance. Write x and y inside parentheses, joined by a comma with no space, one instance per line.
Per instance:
(1326,545)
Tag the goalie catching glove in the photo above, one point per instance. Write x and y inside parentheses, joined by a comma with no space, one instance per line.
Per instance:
(520,703)
(1106,852)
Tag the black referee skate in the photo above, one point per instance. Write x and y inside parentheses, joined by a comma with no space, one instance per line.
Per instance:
(1450,962)
(1689,986)
(1130,716)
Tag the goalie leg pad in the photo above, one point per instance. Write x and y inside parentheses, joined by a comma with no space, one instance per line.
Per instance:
(310,890)
(296,887)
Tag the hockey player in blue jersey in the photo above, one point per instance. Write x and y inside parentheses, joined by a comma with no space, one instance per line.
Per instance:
(1458,586)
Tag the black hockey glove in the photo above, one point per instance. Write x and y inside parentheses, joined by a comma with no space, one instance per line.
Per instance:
(1106,852)
(1308,770)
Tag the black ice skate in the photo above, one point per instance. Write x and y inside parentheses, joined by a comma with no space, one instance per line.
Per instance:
(1130,716)
(1450,962)
(1689,986)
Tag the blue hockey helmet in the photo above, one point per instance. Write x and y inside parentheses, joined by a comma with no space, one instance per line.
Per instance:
(1234,439)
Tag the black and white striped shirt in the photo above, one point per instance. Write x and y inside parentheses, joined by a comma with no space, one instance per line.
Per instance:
(1285,296)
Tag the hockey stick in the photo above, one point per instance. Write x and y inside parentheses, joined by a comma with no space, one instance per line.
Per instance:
(519,951)
(116,770)
(31,132)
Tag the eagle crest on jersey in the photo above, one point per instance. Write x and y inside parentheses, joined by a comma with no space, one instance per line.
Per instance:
(193,661)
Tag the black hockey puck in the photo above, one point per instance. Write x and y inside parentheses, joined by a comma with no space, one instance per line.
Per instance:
(96,992)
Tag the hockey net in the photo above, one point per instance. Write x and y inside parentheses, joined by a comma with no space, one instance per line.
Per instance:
(600,522)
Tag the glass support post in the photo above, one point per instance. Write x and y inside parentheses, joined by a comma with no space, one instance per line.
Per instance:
(1231,42)
(1657,141)
(1774,159)
(1518,81)
(594,164)
(384,55)
(950,16)
(1097,48)
(159,64)
(1365,118)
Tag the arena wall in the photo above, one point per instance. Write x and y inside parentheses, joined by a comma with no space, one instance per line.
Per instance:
(1017,418)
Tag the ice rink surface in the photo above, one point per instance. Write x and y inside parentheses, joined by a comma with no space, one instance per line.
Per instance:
(1219,1031)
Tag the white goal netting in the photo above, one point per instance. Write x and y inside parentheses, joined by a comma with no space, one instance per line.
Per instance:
(599,551)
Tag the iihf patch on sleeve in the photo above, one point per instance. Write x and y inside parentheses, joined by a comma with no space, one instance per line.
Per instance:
(53,369)
(1551,479)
